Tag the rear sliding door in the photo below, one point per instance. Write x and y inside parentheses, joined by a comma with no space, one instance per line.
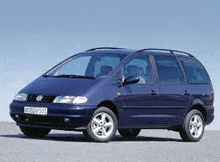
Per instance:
(171,91)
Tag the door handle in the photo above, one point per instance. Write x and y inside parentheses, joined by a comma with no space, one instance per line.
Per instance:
(153,93)
(186,93)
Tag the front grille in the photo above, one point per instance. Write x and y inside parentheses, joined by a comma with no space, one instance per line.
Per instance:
(48,99)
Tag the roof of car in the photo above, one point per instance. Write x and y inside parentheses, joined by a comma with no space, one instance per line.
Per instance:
(125,51)
(164,51)
(115,50)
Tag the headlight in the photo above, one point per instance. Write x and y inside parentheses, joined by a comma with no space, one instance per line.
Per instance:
(20,97)
(70,99)
(80,100)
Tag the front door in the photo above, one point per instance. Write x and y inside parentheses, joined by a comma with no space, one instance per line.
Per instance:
(138,98)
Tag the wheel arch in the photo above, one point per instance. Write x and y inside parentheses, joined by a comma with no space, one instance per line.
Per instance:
(110,105)
(200,108)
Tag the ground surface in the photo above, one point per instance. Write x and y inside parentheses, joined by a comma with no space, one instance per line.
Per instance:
(150,145)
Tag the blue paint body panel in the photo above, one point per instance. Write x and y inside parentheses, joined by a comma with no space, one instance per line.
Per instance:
(152,105)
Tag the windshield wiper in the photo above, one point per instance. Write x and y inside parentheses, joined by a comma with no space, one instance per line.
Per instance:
(73,76)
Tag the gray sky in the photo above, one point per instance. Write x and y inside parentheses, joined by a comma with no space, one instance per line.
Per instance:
(35,35)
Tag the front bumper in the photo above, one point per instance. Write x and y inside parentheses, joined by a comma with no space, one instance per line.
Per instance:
(59,116)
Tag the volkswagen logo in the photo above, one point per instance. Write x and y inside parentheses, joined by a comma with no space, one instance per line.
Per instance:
(39,98)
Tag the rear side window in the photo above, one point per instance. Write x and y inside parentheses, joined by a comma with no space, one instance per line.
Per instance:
(195,71)
(168,69)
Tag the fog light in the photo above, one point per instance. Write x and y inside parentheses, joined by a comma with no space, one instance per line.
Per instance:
(17,116)
(66,120)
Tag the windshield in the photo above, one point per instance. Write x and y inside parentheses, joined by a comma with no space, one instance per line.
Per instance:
(89,66)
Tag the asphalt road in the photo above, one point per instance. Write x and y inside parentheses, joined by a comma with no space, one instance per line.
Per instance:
(150,145)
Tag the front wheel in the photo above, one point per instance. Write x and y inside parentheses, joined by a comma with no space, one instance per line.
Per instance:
(129,133)
(192,129)
(103,125)
(34,132)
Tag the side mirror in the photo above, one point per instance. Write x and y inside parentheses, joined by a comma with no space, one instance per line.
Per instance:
(131,80)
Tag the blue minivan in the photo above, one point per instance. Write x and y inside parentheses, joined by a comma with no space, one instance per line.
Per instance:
(106,89)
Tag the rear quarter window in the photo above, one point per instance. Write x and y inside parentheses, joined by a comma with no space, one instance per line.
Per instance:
(195,71)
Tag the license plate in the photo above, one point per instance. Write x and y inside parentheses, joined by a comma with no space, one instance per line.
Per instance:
(35,110)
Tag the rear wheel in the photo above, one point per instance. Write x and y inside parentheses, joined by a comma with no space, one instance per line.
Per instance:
(34,132)
(192,129)
(129,133)
(102,126)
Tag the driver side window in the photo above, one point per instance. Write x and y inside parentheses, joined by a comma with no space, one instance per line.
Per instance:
(139,66)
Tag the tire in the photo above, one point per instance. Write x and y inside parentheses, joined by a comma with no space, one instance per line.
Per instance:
(192,129)
(103,125)
(34,132)
(129,133)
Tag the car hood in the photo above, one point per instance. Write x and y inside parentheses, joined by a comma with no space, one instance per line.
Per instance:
(59,86)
